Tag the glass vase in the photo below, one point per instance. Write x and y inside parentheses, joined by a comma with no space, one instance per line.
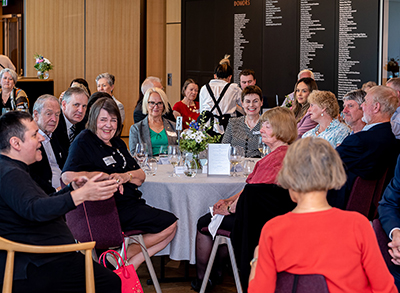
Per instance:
(43,75)
(191,163)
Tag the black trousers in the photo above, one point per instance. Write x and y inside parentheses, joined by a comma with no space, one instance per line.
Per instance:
(67,274)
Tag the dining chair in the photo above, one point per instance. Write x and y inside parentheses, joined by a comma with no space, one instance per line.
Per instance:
(99,221)
(290,283)
(222,237)
(381,183)
(12,247)
(361,195)
(383,241)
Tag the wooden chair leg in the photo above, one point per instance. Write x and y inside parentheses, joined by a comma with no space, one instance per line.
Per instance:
(89,273)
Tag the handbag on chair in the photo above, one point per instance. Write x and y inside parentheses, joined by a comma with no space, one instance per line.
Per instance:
(129,279)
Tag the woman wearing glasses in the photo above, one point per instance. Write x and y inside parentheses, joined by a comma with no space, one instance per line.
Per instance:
(154,130)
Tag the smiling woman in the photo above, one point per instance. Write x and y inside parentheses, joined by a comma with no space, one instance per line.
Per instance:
(99,149)
(245,131)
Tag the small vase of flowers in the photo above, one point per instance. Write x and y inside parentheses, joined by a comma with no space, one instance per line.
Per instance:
(195,139)
(42,65)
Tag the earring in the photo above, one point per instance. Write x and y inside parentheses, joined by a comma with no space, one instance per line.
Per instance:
(322,114)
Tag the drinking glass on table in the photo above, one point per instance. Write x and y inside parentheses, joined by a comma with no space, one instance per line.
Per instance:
(248,167)
(141,153)
(174,156)
(163,154)
(236,155)
(151,167)
(263,148)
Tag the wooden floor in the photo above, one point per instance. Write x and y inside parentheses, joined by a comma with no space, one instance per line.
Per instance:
(175,269)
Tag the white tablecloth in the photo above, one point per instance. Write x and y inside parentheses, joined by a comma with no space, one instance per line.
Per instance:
(188,199)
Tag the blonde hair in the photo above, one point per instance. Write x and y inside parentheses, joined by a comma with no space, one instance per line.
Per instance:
(146,97)
(283,123)
(311,164)
(325,100)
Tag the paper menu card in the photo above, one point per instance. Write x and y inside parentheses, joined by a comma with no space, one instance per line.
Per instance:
(218,159)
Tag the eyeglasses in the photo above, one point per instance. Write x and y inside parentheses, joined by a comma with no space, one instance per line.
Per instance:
(153,104)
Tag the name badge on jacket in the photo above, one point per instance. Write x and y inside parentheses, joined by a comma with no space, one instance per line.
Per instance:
(171,133)
(109,160)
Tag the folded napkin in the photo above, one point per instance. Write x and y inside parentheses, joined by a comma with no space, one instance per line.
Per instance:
(215,222)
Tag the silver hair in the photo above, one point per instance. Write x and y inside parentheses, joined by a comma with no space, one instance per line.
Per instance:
(304,71)
(355,95)
(109,77)
(13,74)
(39,104)
(73,90)
(148,83)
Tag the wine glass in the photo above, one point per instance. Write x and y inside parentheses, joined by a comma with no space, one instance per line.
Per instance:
(141,153)
(248,167)
(174,156)
(163,154)
(263,148)
(236,155)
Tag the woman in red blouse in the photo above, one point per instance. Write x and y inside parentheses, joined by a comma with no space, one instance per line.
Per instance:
(188,108)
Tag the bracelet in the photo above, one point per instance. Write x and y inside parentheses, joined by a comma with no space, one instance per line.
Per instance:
(130,176)
(229,209)
(253,261)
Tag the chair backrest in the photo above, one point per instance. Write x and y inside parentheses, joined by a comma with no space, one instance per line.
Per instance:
(290,283)
(361,196)
(12,247)
(383,241)
(102,218)
(373,211)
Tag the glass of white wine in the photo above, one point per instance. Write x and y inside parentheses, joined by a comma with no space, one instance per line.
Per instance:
(236,155)
(263,148)
(174,156)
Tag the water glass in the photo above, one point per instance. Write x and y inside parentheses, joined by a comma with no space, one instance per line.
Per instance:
(151,167)
(248,167)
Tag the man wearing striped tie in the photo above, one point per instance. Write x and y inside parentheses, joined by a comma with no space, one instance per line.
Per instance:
(73,108)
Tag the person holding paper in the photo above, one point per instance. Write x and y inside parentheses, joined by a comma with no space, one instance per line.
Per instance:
(244,131)
(278,130)
(154,130)
(100,149)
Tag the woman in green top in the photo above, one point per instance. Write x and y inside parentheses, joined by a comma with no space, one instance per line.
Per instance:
(154,130)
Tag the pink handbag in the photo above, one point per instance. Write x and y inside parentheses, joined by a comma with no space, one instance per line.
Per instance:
(127,273)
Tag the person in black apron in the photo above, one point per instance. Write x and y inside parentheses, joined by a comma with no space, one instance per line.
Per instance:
(220,97)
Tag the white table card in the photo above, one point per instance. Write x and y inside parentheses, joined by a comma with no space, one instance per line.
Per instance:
(218,159)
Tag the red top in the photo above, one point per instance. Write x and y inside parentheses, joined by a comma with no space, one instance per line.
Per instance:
(188,113)
(341,245)
(268,167)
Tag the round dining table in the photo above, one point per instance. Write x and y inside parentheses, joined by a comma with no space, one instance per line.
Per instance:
(188,198)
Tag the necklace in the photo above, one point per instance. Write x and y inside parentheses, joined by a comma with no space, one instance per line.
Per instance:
(123,157)
(191,108)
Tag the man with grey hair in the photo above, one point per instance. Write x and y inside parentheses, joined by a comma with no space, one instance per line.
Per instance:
(73,109)
(288,102)
(47,172)
(352,111)
(394,83)
(149,83)
(372,151)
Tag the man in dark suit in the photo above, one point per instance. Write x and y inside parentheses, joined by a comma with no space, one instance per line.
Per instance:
(47,172)
(73,105)
(389,215)
(370,152)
